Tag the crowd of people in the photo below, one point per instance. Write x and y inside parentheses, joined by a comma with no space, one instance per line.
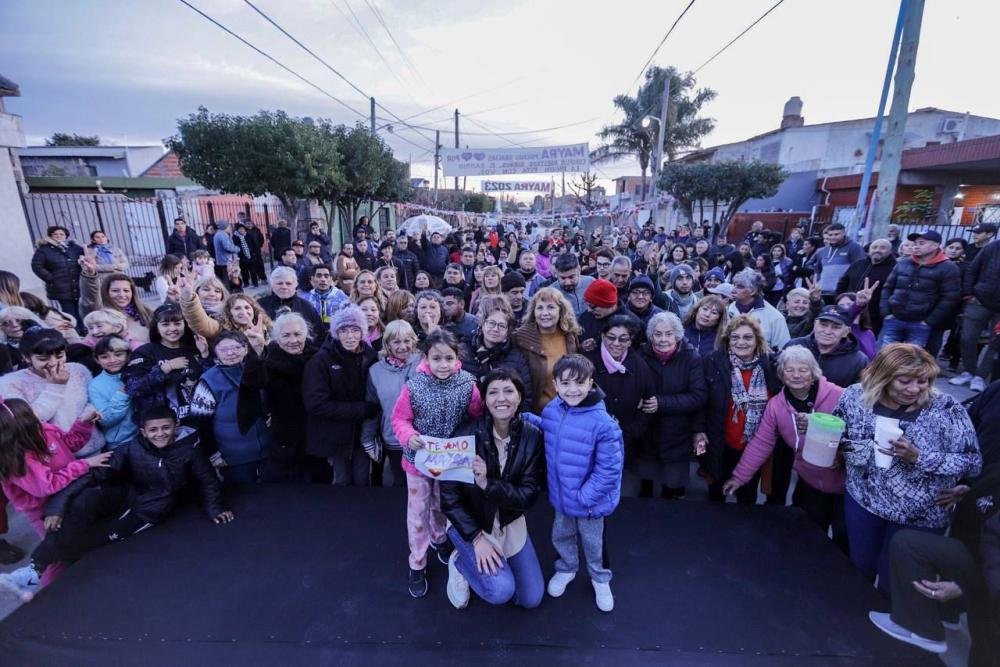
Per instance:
(576,358)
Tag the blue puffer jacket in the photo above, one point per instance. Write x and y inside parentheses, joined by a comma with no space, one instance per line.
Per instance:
(584,455)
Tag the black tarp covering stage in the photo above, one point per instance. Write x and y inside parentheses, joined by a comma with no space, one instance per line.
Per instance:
(317,575)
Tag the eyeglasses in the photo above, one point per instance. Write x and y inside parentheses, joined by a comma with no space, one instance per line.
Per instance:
(491,324)
(229,350)
(618,339)
(604,265)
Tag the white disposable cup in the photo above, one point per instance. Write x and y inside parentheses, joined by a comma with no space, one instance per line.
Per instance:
(886,430)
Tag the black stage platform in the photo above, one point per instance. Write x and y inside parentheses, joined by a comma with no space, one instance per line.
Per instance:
(317,575)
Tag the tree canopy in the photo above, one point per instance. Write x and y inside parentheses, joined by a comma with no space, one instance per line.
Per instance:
(728,184)
(685,127)
(290,158)
(66,139)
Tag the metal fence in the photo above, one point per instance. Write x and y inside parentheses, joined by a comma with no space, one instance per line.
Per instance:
(140,226)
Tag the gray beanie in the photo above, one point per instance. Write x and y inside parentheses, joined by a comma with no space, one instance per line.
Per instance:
(349,316)
(677,272)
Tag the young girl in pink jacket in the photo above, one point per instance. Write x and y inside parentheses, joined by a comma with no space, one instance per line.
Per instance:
(36,460)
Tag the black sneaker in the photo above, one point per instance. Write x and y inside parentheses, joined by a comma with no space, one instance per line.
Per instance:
(418,583)
(443,551)
(9,554)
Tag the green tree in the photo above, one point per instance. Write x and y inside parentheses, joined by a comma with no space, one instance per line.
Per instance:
(917,209)
(268,152)
(66,139)
(728,184)
(685,127)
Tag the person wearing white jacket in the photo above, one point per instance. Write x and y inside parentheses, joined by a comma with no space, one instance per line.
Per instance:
(748,299)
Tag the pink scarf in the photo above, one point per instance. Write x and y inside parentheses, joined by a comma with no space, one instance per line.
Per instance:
(610,363)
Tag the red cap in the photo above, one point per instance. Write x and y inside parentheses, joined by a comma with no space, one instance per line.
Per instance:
(601,293)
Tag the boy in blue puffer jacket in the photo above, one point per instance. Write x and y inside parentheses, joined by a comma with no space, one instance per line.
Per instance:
(584,453)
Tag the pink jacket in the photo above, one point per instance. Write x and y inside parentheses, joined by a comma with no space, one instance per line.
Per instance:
(779,420)
(402,415)
(48,475)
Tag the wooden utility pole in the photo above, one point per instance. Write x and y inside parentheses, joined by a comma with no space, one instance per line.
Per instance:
(372,99)
(456,142)
(892,149)
(437,162)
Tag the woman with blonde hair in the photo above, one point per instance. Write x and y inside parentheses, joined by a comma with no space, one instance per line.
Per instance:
(400,306)
(10,290)
(926,444)
(549,332)
(107,322)
(366,285)
(386,378)
(372,309)
(490,284)
(741,378)
(706,323)
(118,292)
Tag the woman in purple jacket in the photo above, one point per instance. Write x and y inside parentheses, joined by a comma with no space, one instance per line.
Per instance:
(820,491)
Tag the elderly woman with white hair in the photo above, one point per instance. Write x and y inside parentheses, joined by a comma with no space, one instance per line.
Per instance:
(679,393)
(748,299)
(278,372)
(333,391)
(283,299)
(820,491)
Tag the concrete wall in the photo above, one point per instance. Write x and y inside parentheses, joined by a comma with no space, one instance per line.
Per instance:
(16,249)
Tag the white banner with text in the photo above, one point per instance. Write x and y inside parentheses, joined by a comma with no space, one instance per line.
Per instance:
(509,161)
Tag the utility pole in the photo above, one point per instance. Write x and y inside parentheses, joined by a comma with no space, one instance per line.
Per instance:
(456,142)
(372,99)
(866,179)
(661,134)
(437,162)
(893,147)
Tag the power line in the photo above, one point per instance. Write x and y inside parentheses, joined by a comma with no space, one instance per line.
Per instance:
(506,134)
(733,40)
(322,61)
(355,23)
(451,103)
(406,59)
(274,60)
(496,134)
(660,45)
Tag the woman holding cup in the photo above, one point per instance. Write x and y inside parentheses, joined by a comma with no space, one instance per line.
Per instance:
(904,443)
(820,490)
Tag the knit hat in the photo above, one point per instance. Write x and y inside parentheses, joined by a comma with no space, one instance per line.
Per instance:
(349,316)
(601,293)
(677,272)
(641,282)
(716,273)
(511,281)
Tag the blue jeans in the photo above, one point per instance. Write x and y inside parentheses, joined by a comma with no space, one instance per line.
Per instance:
(520,577)
(898,331)
(869,537)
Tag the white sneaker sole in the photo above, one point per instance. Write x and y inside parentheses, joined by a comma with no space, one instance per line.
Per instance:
(556,590)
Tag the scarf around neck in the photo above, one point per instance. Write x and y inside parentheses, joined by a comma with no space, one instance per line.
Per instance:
(610,364)
(104,253)
(751,400)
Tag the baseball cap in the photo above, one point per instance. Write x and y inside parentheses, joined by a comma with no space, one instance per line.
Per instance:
(928,234)
(834,314)
(298,243)
(984,228)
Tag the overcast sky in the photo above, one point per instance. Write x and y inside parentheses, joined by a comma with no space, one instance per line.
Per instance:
(127,70)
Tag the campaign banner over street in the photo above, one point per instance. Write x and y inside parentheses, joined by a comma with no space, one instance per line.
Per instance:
(501,161)
(517,186)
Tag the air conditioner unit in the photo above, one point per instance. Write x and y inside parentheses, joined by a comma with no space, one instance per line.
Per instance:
(952,125)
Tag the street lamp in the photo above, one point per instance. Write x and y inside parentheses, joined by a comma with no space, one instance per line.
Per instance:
(647,122)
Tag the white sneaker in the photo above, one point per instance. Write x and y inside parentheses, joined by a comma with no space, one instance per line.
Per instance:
(22,582)
(977,384)
(602,595)
(963,378)
(458,586)
(885,623)
(559,582)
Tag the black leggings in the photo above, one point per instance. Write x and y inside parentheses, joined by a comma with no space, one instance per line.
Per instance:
(96,517)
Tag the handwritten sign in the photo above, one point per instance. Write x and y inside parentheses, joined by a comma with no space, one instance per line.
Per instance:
(447,459)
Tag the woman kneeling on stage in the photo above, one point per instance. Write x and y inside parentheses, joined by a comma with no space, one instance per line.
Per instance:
(493,552)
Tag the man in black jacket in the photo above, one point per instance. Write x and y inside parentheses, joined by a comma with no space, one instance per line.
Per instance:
(921,293)
(158,465)
(981,293)
(874,268)
(283,299)
(834,347)
(182,241)
(409,260)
